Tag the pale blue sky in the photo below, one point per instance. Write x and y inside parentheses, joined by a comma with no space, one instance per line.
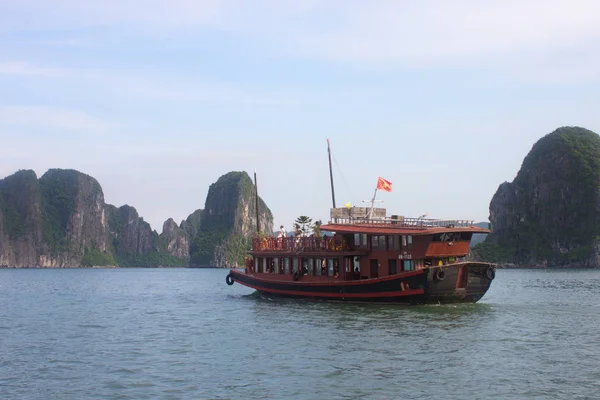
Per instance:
(157,99)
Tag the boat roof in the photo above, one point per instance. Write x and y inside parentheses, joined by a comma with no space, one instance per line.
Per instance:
(408,226)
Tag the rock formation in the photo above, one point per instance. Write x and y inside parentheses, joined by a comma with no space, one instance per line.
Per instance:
(549,215)
(175,240)
(220,233)
(61,221)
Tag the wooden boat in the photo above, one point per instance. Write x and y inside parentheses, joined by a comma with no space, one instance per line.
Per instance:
(365,255)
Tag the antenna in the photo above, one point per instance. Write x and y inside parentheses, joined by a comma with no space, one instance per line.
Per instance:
(256,203)
(330,174)
(372,201)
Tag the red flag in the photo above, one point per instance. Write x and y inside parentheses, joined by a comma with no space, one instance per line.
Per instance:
(383,184)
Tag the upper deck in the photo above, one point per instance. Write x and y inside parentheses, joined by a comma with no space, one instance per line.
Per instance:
(375,221)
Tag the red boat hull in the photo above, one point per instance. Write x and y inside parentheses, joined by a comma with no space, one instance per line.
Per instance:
(455,283)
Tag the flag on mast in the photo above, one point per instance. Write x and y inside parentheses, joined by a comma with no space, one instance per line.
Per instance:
(383,184)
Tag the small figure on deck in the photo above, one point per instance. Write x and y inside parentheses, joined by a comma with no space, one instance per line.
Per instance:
(280,236)
(325,241)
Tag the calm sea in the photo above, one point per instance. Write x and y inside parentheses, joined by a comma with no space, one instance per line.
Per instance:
(185,334)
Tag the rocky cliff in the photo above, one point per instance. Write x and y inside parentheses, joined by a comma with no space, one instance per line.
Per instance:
(20,220)
(549,215)
(220,233)
(174,240)
(61,221)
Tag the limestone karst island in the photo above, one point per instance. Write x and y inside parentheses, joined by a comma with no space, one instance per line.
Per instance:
(61,221)
(547,217)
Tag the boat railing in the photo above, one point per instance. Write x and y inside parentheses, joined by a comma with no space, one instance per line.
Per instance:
(403,222)
(301,243)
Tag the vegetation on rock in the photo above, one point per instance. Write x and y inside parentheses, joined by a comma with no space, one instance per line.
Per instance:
(61,220)
(550,213)
(19,193)
(227,222)
(58,190)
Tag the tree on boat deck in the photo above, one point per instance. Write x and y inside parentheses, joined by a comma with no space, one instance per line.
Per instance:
(303,225)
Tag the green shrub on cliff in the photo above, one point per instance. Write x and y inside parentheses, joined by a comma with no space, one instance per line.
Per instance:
(59,191)
(153,259)
(92,257)
(19,197)
(227,222)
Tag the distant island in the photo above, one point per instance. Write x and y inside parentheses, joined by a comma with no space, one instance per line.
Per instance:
(549,216)
(61,221)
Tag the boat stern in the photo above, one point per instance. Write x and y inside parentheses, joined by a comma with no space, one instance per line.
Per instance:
(459,283)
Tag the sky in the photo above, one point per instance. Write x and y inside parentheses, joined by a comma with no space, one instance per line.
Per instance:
(158,99)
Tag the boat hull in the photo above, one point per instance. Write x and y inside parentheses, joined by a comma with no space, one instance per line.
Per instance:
(453,283)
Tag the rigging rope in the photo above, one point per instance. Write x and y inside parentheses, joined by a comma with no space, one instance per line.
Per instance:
(343,177)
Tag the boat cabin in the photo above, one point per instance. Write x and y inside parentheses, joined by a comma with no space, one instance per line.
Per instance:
(363,243)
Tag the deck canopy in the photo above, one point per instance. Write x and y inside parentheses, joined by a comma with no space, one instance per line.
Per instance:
(375,221)
(389,229)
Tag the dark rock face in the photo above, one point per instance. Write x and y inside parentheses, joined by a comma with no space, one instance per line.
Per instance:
(191,225)
(227,223)
(61,221)
(20,219)
(175,240)
(549,215)
(132,234)
(49,222)
(72,217)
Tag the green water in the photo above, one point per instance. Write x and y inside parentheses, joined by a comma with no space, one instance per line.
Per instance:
(185,334)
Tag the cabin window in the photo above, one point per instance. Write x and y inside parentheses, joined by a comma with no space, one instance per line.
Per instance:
(374,242)
(466,236)
(276,265)
(356,264)
(330,266)
(378,242)
(320,266)
(408,265)
(348,264)
(409,240)
(403,240)
(294,264)
(308,264)
(264,265)
(393,242)
(357,240)
(286,265)
(393,266)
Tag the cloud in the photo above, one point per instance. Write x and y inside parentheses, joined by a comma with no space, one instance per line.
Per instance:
(67,42)
(162,86)
(498,37)
(442,33)
(74,14)
(28,69)
(51,118)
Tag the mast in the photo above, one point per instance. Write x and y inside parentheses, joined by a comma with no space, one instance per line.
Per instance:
(372,201)
(256,203)
(331,174)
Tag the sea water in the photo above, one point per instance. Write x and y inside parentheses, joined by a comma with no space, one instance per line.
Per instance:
(185,334)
